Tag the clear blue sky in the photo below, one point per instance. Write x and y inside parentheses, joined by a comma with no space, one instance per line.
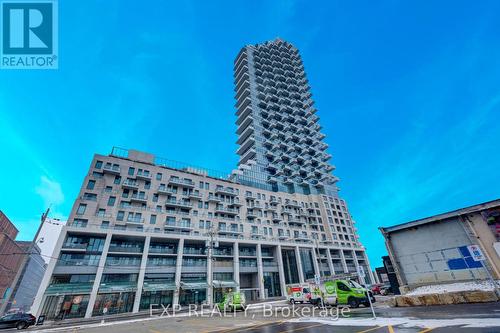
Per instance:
(408,94)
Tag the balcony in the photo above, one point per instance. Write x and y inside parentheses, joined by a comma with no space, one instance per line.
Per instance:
(226,210)
(165,190)
(195,195)
(296,222)
(142,198)
(144,176)
(250,196)
(130,184)
(135,220)
(251,215)
(236,202)
(276,218)
(229,231)
(226,191)
(125,249)
(182,225)
(181,182)
(111,169)
(214,198)
(178,204)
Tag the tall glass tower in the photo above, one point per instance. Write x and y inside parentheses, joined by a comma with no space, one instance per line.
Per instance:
(280,142)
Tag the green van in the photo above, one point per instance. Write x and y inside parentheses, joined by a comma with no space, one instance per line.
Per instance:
(231,301)
(351,293)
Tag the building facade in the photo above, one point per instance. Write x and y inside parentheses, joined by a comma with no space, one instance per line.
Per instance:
(145,230)
(10,258)
(26,288)
(279,135)
(436,250)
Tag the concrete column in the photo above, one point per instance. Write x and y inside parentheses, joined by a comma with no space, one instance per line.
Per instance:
(299,264)
(355,257)
(36,307)
(317,267)
(98,276)
(140,279)
(236,265)
(178,271)
(210,289)
(281,270)
(342,259)
(330,263)
(370,272)
(260,273)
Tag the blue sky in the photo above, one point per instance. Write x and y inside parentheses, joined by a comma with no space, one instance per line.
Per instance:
(408,94)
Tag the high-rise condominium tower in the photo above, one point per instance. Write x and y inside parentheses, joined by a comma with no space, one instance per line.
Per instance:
(280,139)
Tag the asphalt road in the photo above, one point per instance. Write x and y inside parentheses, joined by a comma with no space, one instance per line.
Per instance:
(256,321)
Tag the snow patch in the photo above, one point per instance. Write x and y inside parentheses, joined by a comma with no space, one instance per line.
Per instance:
(453,287)
(406,322)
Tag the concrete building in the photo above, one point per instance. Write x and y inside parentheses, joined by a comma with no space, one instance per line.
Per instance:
(47,237)
(146,230)
(26,288)
(10,258)
(435,250)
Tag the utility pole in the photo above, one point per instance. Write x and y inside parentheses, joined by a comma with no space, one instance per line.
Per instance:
(211,234)
(25,259)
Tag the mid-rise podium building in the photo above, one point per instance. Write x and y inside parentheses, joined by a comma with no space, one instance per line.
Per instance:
(145,230)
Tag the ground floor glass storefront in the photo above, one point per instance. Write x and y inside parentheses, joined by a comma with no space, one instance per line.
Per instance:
(192,296)
(115,303)
(65,306)
(272,284)
(158,298)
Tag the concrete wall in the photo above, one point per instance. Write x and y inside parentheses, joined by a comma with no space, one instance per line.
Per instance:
(429,254)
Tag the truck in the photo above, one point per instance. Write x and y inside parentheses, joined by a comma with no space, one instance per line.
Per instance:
(300,293)
(340,292)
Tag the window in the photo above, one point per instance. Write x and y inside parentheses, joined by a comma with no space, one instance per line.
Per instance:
(131,171)
(120,215)
(118,180)
(158,176)
(98,164)
(81,209)
(90,185)
(155,197)
(97,175)
(152,220)
(111,201)
(201,185)
(108,189)
(105,225)
(147,185)
(101,212)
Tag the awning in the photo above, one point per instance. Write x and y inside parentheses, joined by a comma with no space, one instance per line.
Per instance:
(69,288)
(117,287)
(193,285)
(159,286)
(224,284)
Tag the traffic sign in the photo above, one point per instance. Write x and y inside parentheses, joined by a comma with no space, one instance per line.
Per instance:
(361,271)
(476,252)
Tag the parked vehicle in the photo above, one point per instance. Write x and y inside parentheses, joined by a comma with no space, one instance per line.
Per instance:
(232,301)
(18,320)
(298,293)
(351,293)
(324,294)
(375,288)
(386,289)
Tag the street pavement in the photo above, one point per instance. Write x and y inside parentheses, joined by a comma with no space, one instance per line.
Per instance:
(280,318)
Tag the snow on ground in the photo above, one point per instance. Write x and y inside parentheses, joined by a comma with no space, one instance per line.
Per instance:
(406,322)
(452,287)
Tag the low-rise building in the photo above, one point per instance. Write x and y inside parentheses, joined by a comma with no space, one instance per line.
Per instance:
(10,258)
(436,249)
